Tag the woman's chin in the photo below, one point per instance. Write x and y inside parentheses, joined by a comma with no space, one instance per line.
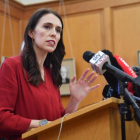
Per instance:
(50,50)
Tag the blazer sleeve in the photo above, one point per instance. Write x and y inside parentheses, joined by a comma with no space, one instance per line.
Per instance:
(62,110)
(10,124)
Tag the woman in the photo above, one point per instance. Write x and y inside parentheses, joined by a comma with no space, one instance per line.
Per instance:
(29,83)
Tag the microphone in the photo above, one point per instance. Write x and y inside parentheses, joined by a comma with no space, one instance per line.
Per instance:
(96,60)
(110,78)
(136,70)
(108,92)
(127,69)
(100,63)
(136,87)
(119,63)
(130,99)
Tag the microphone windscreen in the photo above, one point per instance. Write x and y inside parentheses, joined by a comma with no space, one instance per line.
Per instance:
(112,59)
(87,56)
(110,92)
(110,78)
(136,87)
(105,91)
(136,70)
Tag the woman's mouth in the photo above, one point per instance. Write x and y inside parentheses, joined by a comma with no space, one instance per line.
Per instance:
(51,42)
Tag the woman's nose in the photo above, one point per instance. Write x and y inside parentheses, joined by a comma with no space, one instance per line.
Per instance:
(53,32)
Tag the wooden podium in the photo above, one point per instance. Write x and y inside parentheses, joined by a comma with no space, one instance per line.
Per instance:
(100,121)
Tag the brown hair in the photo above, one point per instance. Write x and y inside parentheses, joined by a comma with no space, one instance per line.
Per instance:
(28,56)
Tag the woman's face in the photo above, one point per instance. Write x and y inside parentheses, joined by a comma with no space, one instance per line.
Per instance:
(46,34)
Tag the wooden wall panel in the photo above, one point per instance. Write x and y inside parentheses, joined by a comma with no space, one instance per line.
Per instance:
(12,36)
(126,32)
(16,9)
(13,29)
(85,32)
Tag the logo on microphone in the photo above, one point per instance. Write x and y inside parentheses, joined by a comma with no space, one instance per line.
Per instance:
(128,67)
(97,62)
(96,57)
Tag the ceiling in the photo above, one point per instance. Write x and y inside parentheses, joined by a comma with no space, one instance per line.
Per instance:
(29,2)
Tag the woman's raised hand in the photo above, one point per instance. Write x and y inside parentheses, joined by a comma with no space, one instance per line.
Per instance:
(81,88)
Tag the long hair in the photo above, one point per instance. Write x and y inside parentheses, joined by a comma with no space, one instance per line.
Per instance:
(53,60)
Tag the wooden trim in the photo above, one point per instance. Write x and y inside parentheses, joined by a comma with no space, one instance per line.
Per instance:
(71,6)
(108,29)
(82,5)
(15,10)
(15,4)
(50,4)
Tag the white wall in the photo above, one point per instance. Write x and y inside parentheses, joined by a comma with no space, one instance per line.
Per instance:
(28,2)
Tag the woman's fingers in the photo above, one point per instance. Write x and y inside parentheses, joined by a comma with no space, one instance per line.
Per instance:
(89,76)
(84,74)
(93,79)
(93,87)
(72,80)
(89,80)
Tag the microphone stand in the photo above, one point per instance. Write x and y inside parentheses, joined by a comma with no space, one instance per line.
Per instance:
(122,77)
(134,106)
(122,107)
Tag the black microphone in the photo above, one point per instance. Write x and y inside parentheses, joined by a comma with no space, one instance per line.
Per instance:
(110,78)
(119,63)
(136,87)
(136,70)
(108,92)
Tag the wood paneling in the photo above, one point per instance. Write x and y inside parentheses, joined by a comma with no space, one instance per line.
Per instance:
(12,29)
(85,31)
(16,10)
(12,37)
(126,32)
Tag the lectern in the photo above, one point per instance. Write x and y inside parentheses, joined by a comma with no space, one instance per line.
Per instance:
(100,121)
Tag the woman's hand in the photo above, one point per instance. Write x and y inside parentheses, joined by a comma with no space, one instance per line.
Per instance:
(80,89)
(34,124)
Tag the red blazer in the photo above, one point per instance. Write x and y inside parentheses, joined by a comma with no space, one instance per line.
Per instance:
(20,101)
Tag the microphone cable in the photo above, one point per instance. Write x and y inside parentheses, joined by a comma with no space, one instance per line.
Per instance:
(61,126)
(68,114)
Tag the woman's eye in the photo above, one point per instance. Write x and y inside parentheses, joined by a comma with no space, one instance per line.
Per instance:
(58,30)
(47,27)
